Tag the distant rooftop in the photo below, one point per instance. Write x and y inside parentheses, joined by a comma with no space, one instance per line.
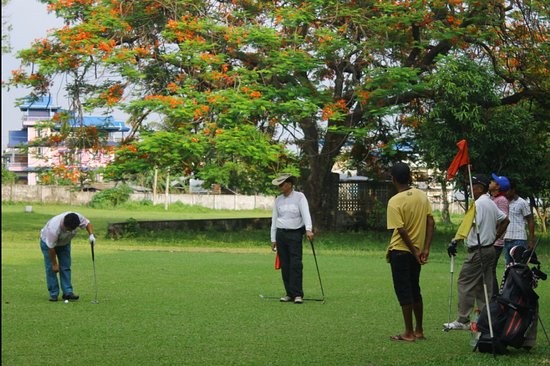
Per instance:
(42,102)
(107,123)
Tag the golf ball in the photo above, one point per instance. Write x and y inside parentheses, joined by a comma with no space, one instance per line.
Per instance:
(66,301)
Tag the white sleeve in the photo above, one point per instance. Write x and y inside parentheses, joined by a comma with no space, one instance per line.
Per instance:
(306,216)
(274,215)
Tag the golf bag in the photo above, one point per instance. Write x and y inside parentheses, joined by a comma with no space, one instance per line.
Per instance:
(514,311)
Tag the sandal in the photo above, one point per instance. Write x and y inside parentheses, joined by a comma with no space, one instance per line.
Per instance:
(399,337)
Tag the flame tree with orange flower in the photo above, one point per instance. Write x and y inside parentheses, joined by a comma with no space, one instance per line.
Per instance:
(326,73)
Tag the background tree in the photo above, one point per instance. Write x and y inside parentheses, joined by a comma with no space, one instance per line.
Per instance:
(499,138)
(323,74)
(6,28)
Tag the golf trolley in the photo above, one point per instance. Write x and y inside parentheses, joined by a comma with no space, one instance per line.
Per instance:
(514,311)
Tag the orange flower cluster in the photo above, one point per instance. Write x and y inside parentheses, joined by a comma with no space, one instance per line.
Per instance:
(200,111)
(330,109)
(214,99)
(254,94)
(453,21)
(107,46)
(185,35)
(363,96)
(18,75)
(130,148)
(141,51)
(219,76)
(66,172)
(172,102)
(55,139)
(61,4)
(113,95)
(43,46)
(172,87)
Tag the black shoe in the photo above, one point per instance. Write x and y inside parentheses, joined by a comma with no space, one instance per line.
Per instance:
(53,298)
(70,296)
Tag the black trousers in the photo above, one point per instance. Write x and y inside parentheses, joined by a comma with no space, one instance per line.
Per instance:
(405,271)
(290,249)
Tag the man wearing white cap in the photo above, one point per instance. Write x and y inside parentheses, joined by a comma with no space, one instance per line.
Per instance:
(290,220)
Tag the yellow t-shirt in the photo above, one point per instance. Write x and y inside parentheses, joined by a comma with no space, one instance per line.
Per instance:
(408,209)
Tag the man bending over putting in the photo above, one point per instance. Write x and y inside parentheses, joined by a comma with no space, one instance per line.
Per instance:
(55,242)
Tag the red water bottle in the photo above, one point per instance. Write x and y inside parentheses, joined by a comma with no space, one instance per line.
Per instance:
(277,261)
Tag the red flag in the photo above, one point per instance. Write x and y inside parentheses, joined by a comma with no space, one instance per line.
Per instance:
(277,262)
(460,159)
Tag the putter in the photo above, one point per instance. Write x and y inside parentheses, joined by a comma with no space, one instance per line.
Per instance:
(266,297)
(446,329)
(317,266)
(94,301)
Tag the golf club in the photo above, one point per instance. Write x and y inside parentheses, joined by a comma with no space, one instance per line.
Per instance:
(266,297)
(317,266)
(94,301)
(446,329)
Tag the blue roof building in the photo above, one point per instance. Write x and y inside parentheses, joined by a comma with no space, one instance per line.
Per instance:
(28,163)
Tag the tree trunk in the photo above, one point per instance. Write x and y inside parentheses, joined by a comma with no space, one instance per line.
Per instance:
(445,215)
(319,184)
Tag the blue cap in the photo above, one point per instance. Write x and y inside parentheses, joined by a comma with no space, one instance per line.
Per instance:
(502,181)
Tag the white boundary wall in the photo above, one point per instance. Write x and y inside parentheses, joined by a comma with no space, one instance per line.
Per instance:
(57,194)
(64,195)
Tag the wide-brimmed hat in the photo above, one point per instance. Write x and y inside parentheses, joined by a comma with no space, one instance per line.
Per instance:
(283,178)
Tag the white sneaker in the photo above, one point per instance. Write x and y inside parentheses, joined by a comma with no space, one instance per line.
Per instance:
(456,325)
(298,300)
(285,299)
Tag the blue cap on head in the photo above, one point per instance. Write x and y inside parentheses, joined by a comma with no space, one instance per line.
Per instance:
(502,181)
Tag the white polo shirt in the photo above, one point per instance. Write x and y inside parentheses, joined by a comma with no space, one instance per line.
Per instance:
(53,233)
(488,216)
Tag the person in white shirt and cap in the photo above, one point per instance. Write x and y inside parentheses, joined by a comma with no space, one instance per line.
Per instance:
(290,220)
(55,243)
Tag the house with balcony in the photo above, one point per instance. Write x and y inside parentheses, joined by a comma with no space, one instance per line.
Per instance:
(28,160)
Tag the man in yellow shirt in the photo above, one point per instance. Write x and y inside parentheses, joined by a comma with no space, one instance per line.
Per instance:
(410,217)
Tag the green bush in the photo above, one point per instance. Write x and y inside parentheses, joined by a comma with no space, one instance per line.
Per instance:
(111,197)
(8,177)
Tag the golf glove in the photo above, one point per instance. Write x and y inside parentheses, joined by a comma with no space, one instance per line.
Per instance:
(91,238)
(451,249)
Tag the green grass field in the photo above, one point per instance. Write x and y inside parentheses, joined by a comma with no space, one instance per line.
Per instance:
(194,299)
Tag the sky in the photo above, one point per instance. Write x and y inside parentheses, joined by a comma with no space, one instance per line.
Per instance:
(29,21)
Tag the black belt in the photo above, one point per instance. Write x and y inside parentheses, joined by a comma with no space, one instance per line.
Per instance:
(473,249)
(290,230)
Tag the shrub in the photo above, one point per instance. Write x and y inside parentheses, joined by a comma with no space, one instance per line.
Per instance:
(111,197)
(8,177)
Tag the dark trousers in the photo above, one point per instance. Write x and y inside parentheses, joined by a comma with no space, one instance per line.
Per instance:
(405,271)
(289,247)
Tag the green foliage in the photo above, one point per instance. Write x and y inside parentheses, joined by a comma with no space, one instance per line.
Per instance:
(8,177)
(112,197)
(507,139)
(244,160)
